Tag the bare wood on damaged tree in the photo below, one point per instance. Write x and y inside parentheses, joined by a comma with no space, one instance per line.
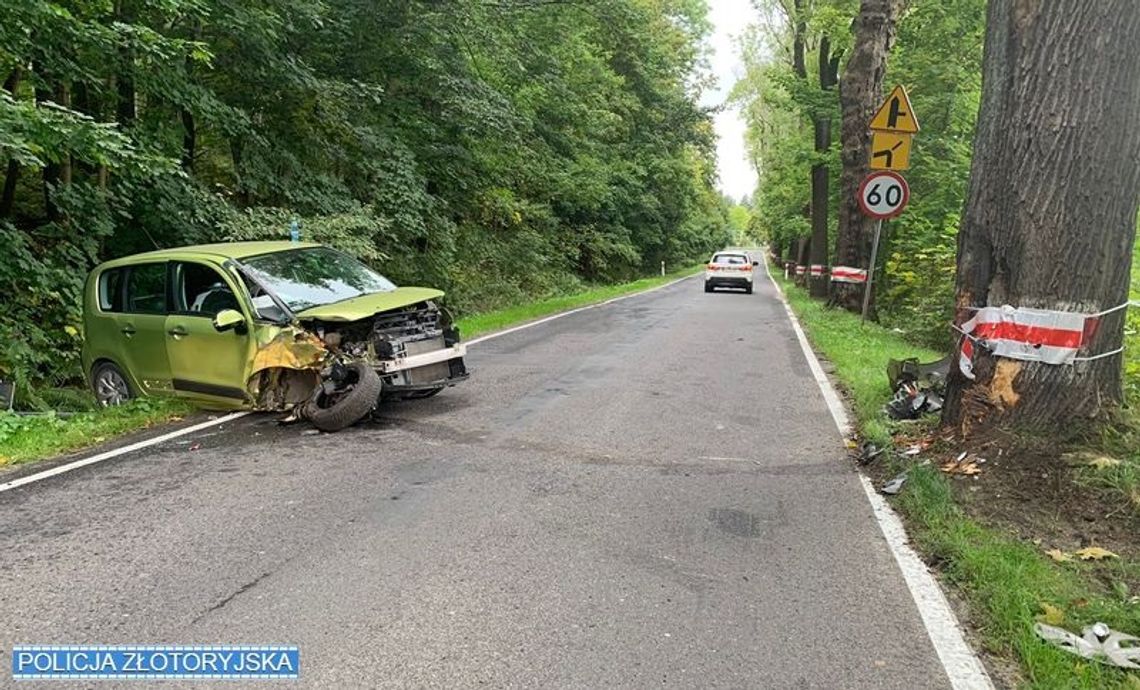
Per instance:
(860,91)
(1050,215)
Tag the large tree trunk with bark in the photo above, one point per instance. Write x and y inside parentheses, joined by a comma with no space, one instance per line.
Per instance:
(860,91)
(1050,215)
(821,121)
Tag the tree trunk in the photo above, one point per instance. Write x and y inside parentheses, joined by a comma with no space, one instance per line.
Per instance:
(860,91)
(1050,215)
(821,121)
(799,29)
(803,254)
(189,140)
(12,174)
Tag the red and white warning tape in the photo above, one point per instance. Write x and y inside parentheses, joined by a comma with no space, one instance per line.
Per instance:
(1033,335)
(816,270)
(847,274)
(800,270)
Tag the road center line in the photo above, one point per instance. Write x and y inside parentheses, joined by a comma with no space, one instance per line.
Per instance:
(963,667)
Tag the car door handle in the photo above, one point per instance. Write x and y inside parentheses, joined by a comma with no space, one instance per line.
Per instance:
(128,330)
(178,331)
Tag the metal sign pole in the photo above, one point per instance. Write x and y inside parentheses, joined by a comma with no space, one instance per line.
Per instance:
(871,271)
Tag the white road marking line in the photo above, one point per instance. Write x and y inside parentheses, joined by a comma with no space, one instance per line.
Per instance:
(559,315)
(962,666)
(724,459)
(107,455)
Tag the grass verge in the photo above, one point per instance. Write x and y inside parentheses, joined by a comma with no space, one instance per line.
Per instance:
(475,325)
(1006,581)
(24,438)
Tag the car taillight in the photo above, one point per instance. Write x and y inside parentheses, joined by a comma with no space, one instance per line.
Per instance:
(746,267)
(712,267)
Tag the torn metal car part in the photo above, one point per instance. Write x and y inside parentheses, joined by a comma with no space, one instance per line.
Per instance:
(895,485)
(1097,642)
(868,451)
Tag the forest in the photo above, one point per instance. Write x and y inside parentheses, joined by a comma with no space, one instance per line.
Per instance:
(500,150)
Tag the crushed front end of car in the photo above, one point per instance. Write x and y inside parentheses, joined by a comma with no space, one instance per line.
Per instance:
(414,349)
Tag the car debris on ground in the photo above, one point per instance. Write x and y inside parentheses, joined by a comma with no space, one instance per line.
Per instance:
(918,388)
(1097,642)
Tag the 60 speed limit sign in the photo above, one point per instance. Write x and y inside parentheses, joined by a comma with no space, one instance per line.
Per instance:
(883,194)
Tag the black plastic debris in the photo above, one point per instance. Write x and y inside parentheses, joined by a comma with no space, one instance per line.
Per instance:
(868,451)
(918,388)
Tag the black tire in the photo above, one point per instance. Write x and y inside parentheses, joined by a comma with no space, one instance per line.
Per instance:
(110,385)
(708,288)
(333,413)
(748,290)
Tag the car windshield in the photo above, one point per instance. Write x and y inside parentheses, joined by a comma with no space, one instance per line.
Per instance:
(730,259)
(314,276)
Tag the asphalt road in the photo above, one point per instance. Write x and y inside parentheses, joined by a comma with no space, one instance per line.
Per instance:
(648,493)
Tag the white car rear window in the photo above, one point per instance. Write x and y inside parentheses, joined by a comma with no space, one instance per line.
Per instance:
(732,259)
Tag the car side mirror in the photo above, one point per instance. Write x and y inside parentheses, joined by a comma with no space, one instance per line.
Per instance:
(755,263)
(229,320)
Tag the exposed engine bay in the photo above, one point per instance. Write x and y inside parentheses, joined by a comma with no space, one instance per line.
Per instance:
(412,348)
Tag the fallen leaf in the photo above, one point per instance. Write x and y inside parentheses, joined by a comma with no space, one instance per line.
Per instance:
(958,467)
(1059,555)
(1094,553)
(176,418)
(1103,462)
(850,443)
(1052,615)
(1079,603)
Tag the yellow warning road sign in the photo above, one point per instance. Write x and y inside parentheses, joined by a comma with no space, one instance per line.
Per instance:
(895,114)
(890,151)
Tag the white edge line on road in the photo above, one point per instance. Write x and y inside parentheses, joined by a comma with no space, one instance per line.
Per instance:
(963,667)
(559,315)
(107,455)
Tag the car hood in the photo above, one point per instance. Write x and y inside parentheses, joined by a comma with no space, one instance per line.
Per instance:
(368,305)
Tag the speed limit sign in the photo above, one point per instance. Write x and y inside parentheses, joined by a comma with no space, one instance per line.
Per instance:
(883,194)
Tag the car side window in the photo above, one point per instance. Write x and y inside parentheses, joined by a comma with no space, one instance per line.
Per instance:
(146,289)
(200,290)
(111,290)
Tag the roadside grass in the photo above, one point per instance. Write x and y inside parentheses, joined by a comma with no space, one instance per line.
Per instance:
(1006,581)
(474,325)
(24,438)
(860,354)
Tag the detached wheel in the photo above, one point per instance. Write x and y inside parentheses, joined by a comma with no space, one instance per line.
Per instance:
(110,385)
(354,398)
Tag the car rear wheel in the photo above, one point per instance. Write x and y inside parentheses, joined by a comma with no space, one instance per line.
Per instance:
(708,287)
(748,290)
(355,396)
(110,385)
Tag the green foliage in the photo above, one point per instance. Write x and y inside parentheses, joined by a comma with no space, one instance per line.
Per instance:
(499,151)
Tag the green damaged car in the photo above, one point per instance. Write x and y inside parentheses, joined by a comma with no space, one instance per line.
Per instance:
(265,326)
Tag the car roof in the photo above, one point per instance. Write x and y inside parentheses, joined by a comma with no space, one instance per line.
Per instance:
(218,252)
